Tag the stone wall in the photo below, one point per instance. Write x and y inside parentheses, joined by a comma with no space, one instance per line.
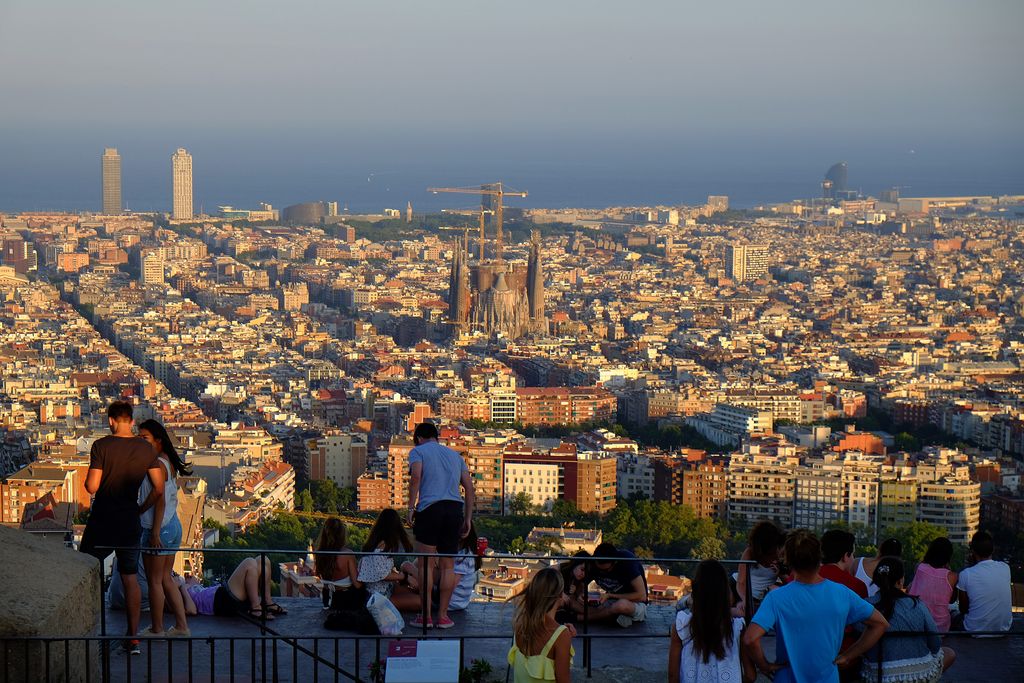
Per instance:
(46,590)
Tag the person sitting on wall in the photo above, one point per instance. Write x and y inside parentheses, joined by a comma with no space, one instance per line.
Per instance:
(621,576)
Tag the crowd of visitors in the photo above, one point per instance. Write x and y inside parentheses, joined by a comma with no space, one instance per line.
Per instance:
(827,609)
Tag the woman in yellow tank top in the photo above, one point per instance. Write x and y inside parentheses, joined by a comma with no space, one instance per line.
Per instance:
(541,648)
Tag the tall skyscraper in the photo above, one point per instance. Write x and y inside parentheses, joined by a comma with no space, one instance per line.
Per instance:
(111,161)
(746,262)
(834,184)
(181,172)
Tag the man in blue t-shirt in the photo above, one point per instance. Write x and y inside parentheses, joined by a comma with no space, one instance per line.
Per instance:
(439,519)
(621,576)
(809,616)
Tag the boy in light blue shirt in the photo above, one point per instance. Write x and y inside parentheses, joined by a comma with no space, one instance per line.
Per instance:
(437,476)
(809,616)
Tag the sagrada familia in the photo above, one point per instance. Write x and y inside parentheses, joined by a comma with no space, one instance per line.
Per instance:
(496,297)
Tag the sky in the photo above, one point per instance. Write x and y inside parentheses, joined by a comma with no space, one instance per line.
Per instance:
(593,103)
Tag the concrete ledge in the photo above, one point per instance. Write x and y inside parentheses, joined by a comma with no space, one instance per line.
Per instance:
(46,590)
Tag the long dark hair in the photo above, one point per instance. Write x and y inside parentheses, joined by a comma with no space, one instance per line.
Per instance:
(388,530)
(332,537)
(764,540)
(580,558)
(888,573)
(167,446)
(939,553)
(469,543)
(711,628)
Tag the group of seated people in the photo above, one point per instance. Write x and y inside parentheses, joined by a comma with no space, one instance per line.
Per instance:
(383,572)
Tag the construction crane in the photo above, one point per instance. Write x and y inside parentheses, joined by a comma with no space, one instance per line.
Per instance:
(498,192)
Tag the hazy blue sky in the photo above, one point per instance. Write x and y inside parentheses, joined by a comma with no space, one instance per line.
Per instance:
(579,102)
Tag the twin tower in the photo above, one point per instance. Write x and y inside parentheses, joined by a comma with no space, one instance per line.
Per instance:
(496,297)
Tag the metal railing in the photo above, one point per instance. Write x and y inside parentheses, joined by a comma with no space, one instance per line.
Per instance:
(879,665)
(259,657)
(263,649)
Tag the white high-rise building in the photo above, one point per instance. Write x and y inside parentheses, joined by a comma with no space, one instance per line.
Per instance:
(746,262)
(181,172)
(152,271)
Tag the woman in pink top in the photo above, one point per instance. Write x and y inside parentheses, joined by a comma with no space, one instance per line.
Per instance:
(934,582)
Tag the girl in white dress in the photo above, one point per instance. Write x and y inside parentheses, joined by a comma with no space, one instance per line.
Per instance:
(705,643)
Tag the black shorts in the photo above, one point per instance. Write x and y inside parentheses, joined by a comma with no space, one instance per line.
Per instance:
(225,604)
(439,525)
(98,533)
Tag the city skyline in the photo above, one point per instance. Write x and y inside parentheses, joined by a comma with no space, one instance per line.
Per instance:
(748,101)
(669,282)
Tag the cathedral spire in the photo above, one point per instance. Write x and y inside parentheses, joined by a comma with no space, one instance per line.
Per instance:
(458,285)
(535,285)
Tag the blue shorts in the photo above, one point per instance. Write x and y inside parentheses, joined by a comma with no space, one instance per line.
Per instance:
(170,537)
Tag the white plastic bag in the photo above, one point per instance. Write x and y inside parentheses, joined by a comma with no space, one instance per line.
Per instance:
(389,619)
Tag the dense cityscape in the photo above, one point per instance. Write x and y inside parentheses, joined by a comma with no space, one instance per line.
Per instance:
(460,342)
(842,360)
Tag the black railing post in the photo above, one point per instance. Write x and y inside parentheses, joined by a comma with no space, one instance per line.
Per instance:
(104,645)
(213,659)
(586,624)
(263,592)
(424,588)
(748,597)
(881,658)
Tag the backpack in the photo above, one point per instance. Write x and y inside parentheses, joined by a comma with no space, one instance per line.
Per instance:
(348,613)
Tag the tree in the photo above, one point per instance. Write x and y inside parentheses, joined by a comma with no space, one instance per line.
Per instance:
(905,441)
(664,528)
(566,511)
(305,501)
(709,548)
(326,496)
(283,531)
(346,498)
(517,546)
(521,503)
(209,523)
(915,538)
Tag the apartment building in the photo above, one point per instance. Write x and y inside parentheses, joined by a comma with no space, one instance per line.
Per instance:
(762,485)
(338,456)
(706,487)
(373,491)
(595,482)
(564,405)
(33,482)
(730,424)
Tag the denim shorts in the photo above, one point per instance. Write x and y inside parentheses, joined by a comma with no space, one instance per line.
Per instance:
(170,537)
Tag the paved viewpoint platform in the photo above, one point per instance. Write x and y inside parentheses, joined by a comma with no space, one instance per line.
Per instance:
(305,651)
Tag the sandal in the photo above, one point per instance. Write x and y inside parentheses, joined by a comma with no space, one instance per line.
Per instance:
(257,613)
(274,608)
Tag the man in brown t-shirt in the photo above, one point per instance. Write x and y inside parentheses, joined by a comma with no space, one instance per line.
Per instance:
(117,466)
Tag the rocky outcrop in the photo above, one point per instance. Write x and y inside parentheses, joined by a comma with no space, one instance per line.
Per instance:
(51,591)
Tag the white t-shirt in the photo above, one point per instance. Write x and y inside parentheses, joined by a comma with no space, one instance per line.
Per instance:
(465,568)
(170,498)
(692,668)
(987,585)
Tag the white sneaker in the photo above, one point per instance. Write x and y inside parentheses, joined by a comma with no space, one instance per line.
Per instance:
(624,621)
